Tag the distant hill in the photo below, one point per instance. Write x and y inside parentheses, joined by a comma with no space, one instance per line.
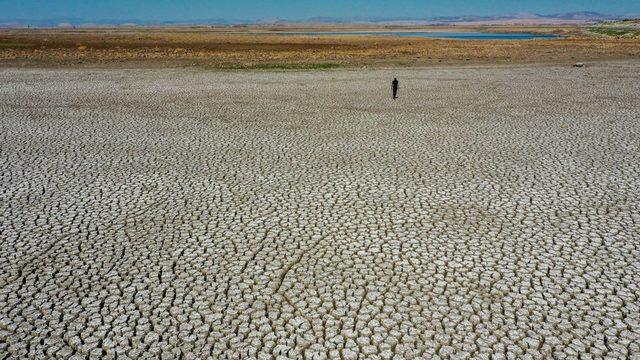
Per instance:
(75,22)
(582,17)
(529,19)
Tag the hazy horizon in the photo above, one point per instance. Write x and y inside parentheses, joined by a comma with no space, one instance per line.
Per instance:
(253,10)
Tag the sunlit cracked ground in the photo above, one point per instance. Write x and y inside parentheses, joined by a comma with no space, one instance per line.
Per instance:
(240,215)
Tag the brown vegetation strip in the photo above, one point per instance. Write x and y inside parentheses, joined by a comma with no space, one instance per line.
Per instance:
(215,49)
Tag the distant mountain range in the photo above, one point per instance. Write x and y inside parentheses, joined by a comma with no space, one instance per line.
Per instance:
(514,19)
(522,18)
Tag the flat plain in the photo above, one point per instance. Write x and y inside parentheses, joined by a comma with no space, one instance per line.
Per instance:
(490,211)
(250,47)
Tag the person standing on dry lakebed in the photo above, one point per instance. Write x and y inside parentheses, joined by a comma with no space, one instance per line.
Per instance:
(394,86)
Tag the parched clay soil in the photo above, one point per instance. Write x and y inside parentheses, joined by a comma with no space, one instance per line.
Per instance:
(489,211)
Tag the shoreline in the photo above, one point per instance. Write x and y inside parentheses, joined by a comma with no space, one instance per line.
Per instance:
(299,67)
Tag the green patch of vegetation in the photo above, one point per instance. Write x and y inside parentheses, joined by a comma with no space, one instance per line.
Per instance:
(616,32)
(319,66)
(8,44)
(283,66)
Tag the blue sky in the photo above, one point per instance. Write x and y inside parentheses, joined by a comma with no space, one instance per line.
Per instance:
(158,10)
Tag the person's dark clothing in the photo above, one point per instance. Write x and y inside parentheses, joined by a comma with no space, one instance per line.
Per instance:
(394,87)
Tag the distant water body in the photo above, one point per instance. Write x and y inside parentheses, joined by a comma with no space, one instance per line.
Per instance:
(431,35)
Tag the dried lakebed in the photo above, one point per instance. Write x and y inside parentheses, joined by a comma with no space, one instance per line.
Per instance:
(240,215)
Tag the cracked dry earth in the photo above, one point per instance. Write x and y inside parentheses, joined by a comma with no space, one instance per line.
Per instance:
(490,212)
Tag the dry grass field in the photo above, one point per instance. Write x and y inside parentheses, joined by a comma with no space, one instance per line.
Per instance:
(243,48)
